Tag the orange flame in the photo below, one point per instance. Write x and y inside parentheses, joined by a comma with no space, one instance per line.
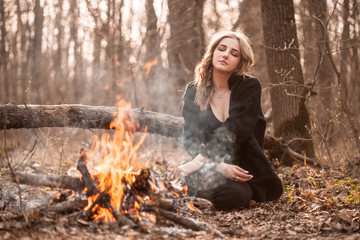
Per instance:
(118,161)
(191,207)
(116,166)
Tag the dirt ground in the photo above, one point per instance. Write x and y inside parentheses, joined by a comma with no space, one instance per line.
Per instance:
(316,204)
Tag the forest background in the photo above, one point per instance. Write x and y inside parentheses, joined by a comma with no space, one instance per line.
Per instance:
(89,52)
(93,51)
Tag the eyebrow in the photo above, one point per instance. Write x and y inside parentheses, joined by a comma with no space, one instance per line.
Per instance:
(231,49)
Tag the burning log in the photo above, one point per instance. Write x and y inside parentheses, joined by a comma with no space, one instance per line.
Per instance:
(86,117)
(86,177)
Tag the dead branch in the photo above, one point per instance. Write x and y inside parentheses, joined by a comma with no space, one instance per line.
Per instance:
(277,146)
(67,206)
(187,222)
(53,181)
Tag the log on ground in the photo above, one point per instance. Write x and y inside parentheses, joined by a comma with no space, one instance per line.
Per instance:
(83,116)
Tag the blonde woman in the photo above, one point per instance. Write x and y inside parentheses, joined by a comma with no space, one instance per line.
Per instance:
(224,128)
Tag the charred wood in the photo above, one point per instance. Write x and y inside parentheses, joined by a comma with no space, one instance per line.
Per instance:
(85,175)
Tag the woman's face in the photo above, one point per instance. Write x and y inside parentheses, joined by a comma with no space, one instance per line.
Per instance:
(226,55)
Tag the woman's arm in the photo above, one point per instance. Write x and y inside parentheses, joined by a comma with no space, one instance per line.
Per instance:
(191,132)
(190,167)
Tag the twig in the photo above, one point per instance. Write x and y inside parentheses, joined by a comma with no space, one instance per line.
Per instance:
(31,151)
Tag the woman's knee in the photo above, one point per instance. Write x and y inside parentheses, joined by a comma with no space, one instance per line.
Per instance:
(233,195)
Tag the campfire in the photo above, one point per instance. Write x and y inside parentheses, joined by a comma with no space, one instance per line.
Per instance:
(115,184)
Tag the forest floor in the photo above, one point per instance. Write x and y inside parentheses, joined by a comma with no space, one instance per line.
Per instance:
(316,204)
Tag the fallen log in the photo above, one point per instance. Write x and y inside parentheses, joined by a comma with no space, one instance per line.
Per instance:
(52,181)
(86,117)
(83,116)
(67,206)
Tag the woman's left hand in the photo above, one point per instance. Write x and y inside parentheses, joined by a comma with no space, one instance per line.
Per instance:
(234,172)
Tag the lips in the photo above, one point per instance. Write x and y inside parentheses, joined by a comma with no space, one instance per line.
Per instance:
(223,62)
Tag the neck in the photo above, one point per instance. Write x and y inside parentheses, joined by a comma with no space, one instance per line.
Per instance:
(220,80)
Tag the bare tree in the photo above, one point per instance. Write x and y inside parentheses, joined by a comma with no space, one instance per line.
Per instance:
(4,79)
(151,63)
(347,81)
(186,41)
(290,116)
(36,67)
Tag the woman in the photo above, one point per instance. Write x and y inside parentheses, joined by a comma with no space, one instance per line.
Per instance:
(224,128)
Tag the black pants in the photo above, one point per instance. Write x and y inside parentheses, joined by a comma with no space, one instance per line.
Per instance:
(224,193)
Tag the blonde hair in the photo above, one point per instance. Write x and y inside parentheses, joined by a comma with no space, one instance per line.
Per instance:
(203,70)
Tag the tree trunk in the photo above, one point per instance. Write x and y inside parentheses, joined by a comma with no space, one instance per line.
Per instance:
(58,56)
(318,72)
(76,86)
(290,116)
(345,84)
(154,80)
(37,54)
(4,79)
(186,42)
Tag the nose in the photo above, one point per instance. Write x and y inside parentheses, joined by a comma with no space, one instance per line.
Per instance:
(226,54)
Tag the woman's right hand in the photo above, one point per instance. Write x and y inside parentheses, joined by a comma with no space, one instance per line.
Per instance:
(190,167)
(234,172)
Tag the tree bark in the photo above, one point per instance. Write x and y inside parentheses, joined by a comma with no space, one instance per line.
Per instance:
(185,44)
(290,116)
(154,80)
(37,54)
(83,116)
(318,71)
(4,80)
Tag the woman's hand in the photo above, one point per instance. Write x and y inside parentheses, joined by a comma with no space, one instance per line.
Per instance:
(190,167)
(234,172)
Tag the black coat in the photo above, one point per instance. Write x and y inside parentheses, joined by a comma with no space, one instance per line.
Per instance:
(239,140)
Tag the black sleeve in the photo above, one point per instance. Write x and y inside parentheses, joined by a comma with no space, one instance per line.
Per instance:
(191,132)
(243,115)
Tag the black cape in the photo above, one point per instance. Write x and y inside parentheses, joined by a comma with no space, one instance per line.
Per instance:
(241,136)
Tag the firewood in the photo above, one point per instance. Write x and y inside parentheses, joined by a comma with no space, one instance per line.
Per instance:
(85,175)
(121,219)
(86,117)
(67,206)
(200,203)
